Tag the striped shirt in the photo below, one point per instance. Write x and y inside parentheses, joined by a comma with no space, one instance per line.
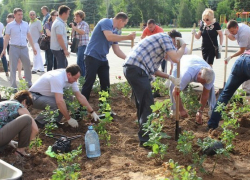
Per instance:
(150,52)
(83,39)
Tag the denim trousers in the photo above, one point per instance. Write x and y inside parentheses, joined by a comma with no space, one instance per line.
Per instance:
(239,74)
(140,83)
(4,60)
(80,59)
(95,67)
(50,60)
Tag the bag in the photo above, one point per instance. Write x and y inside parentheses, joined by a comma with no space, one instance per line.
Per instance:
(44,42)
(74,46)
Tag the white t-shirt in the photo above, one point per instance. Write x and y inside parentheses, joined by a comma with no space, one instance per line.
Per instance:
(243,36)
(189,68)
(1,29)
(53,82)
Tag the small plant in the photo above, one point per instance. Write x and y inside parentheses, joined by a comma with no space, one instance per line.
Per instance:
(124,87)
(81,81)
(23,85)
(66,168)
(96,85)
(159,85)
(178,172)
(190,100)
(7,92)
(185,142)
(154,128)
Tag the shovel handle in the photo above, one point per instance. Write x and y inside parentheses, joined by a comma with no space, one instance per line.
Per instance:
(192,42)
(132,43)
(225,66)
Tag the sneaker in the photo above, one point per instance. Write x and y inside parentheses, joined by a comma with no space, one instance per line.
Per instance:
(40,71)
(33,72)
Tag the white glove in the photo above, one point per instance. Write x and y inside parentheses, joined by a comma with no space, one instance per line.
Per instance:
(180,40)
(175,81)
(226,60)
(13,144)
(209,113)
(167,83)
(220,48)
(226,32)
(193,31)
(95,116)
(73,123)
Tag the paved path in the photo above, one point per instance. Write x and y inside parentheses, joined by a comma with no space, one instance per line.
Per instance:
(116,63)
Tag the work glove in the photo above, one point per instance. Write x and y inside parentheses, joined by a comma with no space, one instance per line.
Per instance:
(13,144)
(226,60)
(193,31)
(73,123)
(175,81)
(167,83)
(220,48)
(180,40)
(95,116)
(226,32)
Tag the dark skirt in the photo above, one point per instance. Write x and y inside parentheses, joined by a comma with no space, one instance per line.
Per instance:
(208,54)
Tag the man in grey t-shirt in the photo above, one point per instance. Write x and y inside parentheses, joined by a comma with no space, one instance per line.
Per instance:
(35,31)
(58,41)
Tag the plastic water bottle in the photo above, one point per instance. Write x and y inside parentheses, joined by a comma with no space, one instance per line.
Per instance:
(92,143)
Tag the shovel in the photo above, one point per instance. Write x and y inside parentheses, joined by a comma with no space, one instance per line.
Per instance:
(192,42)
(177,115)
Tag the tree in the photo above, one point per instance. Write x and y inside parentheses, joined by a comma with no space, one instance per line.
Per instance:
(201,7)
(242,5)
(111,12)
(91,10)
(184,18)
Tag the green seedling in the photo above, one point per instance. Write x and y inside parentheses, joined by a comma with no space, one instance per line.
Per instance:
(159,85)
(185,142)
(23,85)
(124,87)
(7,92)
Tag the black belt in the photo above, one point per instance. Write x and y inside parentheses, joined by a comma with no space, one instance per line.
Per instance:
(37,93)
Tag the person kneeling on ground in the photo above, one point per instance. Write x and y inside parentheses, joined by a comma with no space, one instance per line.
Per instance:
(15,120)
(48,90)
(194,69)
(143,62)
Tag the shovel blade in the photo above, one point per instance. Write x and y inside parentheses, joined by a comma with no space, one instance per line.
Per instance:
(177,133)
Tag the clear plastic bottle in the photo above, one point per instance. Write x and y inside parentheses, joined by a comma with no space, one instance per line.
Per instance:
(92,143)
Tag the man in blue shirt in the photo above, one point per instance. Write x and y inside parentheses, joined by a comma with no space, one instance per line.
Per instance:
(105,34)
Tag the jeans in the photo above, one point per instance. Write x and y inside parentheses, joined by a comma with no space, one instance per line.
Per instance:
(80,59)
(95,67)
(140,83)
(4,60)
(61,59)
(239,74)
(51,60)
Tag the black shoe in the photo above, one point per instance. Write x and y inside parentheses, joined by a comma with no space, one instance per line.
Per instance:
(39,125)
(33,72)
(40,71)
(45,64)
(146,147)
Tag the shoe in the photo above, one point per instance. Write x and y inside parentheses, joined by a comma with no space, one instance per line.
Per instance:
(18,153)
(146,147)
(40,71)
(33,72)
(39,125)
(45,64)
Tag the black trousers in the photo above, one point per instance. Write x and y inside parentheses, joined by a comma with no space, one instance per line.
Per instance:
(61,59)
(95,67)
(140,83)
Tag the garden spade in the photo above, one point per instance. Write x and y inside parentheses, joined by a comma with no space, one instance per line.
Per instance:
(192,42)
(177,128)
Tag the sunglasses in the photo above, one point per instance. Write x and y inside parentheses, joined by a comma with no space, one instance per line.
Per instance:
(32,14)
(205,19)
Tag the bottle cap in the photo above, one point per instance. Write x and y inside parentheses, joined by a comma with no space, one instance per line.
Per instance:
(90,127)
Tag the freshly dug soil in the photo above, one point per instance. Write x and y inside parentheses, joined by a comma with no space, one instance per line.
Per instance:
(125,160)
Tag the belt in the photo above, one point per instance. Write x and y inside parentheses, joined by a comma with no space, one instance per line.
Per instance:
(20,47)
(37,93)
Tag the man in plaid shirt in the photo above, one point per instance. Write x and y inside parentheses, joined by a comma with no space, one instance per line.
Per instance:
(81,32)
(143,62)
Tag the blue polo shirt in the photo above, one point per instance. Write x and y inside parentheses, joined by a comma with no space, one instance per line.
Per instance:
(99,46)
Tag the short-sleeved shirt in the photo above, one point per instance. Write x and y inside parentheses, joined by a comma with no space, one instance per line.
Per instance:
(190,66)
(18,33)
(58,27)
(150,52)
(211,31)
(83,39)
(48,25)
(1,29)
(35,30)
(99,46)
(53,82)
(147,32)
(243,36)
(9,111)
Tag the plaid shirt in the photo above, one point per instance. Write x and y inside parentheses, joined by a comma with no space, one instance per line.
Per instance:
(149,53)
(83,39)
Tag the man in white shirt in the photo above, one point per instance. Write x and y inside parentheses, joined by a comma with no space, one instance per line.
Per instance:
(35,31)
(48,90)
(16,34)
(194,69)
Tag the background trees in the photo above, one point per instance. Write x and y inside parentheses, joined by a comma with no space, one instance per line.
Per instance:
(165,12)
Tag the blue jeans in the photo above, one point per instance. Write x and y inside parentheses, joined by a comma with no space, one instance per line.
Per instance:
(80,59)
(4,60)
(239,74)
(50,60)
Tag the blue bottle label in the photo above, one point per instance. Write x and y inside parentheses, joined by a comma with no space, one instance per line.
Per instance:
(92,147)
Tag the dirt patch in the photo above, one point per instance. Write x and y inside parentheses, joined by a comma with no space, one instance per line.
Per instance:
(125,160)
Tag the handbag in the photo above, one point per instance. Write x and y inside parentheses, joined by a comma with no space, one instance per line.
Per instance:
(216,48)
(74,46)
(44,42)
